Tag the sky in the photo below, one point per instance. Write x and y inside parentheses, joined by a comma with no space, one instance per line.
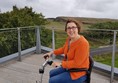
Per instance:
(74,8)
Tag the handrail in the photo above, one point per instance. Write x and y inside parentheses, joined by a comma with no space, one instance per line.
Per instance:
(38,44)
(101,30)
(16,28)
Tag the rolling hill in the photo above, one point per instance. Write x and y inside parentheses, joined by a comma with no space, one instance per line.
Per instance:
(59,22)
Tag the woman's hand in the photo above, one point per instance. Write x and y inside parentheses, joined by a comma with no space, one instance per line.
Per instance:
(56,64)
(47,55)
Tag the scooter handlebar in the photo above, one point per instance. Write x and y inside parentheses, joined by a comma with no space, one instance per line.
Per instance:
(41,70)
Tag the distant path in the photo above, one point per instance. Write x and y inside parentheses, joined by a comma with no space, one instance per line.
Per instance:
(102,50)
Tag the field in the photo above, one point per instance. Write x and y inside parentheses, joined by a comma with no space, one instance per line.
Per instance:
(59,24)
(106,59)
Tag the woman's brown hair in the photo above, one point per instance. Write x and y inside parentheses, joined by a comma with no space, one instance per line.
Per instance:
(74,21)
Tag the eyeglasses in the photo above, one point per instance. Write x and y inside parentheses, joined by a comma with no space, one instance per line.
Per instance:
(69,28)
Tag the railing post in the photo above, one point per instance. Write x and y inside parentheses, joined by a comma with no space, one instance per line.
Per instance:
(19,45)
(53,41)
(113,57)
(38,41)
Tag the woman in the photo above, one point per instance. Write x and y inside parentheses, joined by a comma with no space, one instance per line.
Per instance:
(76,51)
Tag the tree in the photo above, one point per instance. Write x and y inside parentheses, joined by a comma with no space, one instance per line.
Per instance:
(21,17)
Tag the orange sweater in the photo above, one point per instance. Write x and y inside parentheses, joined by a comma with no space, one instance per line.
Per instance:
(78,56)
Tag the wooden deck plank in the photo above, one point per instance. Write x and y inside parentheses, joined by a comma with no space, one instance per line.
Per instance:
(27,71)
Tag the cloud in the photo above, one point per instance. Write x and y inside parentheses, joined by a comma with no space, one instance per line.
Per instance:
(96,8)
(54,8)
(8,4)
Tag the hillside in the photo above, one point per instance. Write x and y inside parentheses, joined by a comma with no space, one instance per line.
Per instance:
(59,22)
(85,20)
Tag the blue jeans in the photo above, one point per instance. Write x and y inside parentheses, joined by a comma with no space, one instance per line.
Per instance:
(61,75)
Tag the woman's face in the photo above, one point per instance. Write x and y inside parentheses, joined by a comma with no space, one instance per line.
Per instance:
(72,30)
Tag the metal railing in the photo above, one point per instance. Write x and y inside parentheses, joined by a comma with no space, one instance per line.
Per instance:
(114,32)
(18,34)
(90,34)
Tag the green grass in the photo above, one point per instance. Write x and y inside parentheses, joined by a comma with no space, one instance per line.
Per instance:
(60,38)
(106,59)
(56,25)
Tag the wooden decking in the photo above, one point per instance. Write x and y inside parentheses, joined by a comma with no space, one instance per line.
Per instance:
(27,71)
